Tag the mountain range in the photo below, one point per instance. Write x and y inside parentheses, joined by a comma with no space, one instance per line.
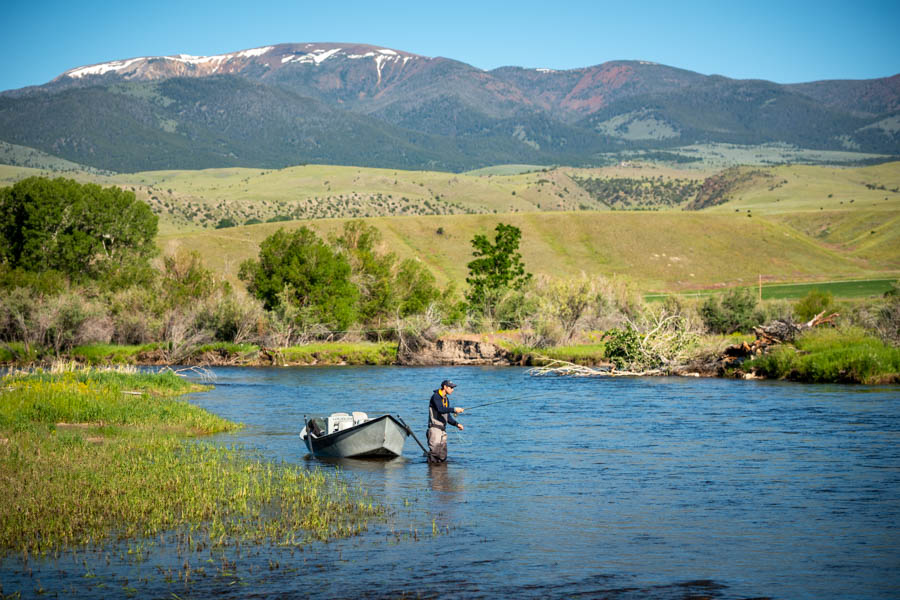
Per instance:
(364,105)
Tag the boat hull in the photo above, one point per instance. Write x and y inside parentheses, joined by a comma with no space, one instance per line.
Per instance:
(381,437)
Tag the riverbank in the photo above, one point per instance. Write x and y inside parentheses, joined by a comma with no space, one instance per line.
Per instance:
(846,355)
(104,458)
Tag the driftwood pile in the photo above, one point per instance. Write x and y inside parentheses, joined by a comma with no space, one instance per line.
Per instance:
(779,331)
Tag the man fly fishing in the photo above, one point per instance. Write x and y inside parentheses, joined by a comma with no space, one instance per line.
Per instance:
(440,414)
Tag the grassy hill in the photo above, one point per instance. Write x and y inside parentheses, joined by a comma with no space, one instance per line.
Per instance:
(23,156)
(786,223)
(187,200)
(659,250)
(856,211)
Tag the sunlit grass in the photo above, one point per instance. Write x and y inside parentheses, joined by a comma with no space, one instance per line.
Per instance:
(90,457)
(832,355)
(113,397)
(100,354)
(332,353)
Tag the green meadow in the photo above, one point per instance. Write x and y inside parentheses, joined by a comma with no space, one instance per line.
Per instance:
(858,288)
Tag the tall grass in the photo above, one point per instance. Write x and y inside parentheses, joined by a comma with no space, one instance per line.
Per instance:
(91,457)
(65,492)
(112,397)
(832,355)
(100,354)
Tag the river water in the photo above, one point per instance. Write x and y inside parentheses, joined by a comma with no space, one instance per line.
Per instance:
(580,488)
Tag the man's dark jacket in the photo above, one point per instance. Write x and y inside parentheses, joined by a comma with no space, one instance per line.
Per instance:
(440,413)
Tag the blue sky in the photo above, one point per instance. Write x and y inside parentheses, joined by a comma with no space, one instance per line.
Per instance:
(782,41)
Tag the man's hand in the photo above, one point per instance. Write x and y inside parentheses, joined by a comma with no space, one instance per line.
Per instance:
(459,425)
(458,409)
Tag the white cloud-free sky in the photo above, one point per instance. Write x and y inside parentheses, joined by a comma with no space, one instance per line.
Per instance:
(784,41)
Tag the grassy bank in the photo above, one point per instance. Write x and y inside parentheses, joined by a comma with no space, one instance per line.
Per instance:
(335,353)
(219,353)
(832,355)
(90,457)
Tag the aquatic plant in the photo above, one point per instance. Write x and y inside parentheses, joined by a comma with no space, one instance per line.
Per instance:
(90,457)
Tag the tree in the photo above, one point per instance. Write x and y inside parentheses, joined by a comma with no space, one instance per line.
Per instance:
(416,289)
(372,272)
(81,230)
(185,279)
(386,287)
(301,269)
(496,267)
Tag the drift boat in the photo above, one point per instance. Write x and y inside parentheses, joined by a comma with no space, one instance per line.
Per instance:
(354,435)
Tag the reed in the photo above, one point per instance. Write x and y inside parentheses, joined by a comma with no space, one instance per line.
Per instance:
(83,464)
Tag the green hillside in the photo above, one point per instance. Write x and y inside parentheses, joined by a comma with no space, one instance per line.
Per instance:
(856,211)
(786,223)
(659,250)
(187,200)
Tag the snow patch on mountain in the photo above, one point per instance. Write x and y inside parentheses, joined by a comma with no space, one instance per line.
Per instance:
(310,53)
(317,56)
(117,65)
(254,52)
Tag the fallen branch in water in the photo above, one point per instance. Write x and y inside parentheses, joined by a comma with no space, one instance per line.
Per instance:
(564,368)
(204,373)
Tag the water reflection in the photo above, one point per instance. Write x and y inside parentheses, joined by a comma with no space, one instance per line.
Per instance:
(445,478)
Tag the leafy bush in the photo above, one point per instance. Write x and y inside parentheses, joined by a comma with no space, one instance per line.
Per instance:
(658,340)
(48,282)
(569,302)
(388,288)
(736,312)
(415,288)
(623,347)
(813,303)
(185,279)
(237,319)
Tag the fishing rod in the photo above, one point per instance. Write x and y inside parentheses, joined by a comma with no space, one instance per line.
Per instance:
(495,402)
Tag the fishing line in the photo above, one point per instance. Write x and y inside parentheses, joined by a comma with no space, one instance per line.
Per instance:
(496,402)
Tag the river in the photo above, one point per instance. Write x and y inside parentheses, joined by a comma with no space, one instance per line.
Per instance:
(582,488)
